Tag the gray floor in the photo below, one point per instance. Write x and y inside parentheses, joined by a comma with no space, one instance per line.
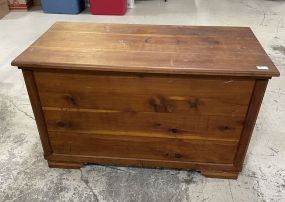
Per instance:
(24,175)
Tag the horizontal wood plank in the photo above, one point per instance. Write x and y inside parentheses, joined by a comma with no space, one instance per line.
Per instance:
(145,43)
(132,93)
(72,159)
(141,147)
(145,123)
(146,29)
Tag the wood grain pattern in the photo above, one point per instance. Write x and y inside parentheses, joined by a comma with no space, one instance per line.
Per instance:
(181,97)
(153,43)
(216,127)
(149,48)
(220,174)
(152,163)
(156,105)
(137,29)
(153,148)
(65,165)
(38,112)
(147,93)
(254,106)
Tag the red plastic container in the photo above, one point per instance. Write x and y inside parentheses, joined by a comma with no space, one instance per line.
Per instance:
(108,7)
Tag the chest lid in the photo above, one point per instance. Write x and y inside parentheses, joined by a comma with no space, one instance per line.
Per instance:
(167,49)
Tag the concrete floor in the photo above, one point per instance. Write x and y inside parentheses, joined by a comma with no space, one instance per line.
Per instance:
(25,176)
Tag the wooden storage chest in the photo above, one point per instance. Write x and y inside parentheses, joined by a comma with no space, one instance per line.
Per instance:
(146,95)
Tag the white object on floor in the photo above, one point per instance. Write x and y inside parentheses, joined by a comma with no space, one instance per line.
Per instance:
(131,3)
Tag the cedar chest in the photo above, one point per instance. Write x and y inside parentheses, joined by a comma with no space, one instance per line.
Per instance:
(182,97)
